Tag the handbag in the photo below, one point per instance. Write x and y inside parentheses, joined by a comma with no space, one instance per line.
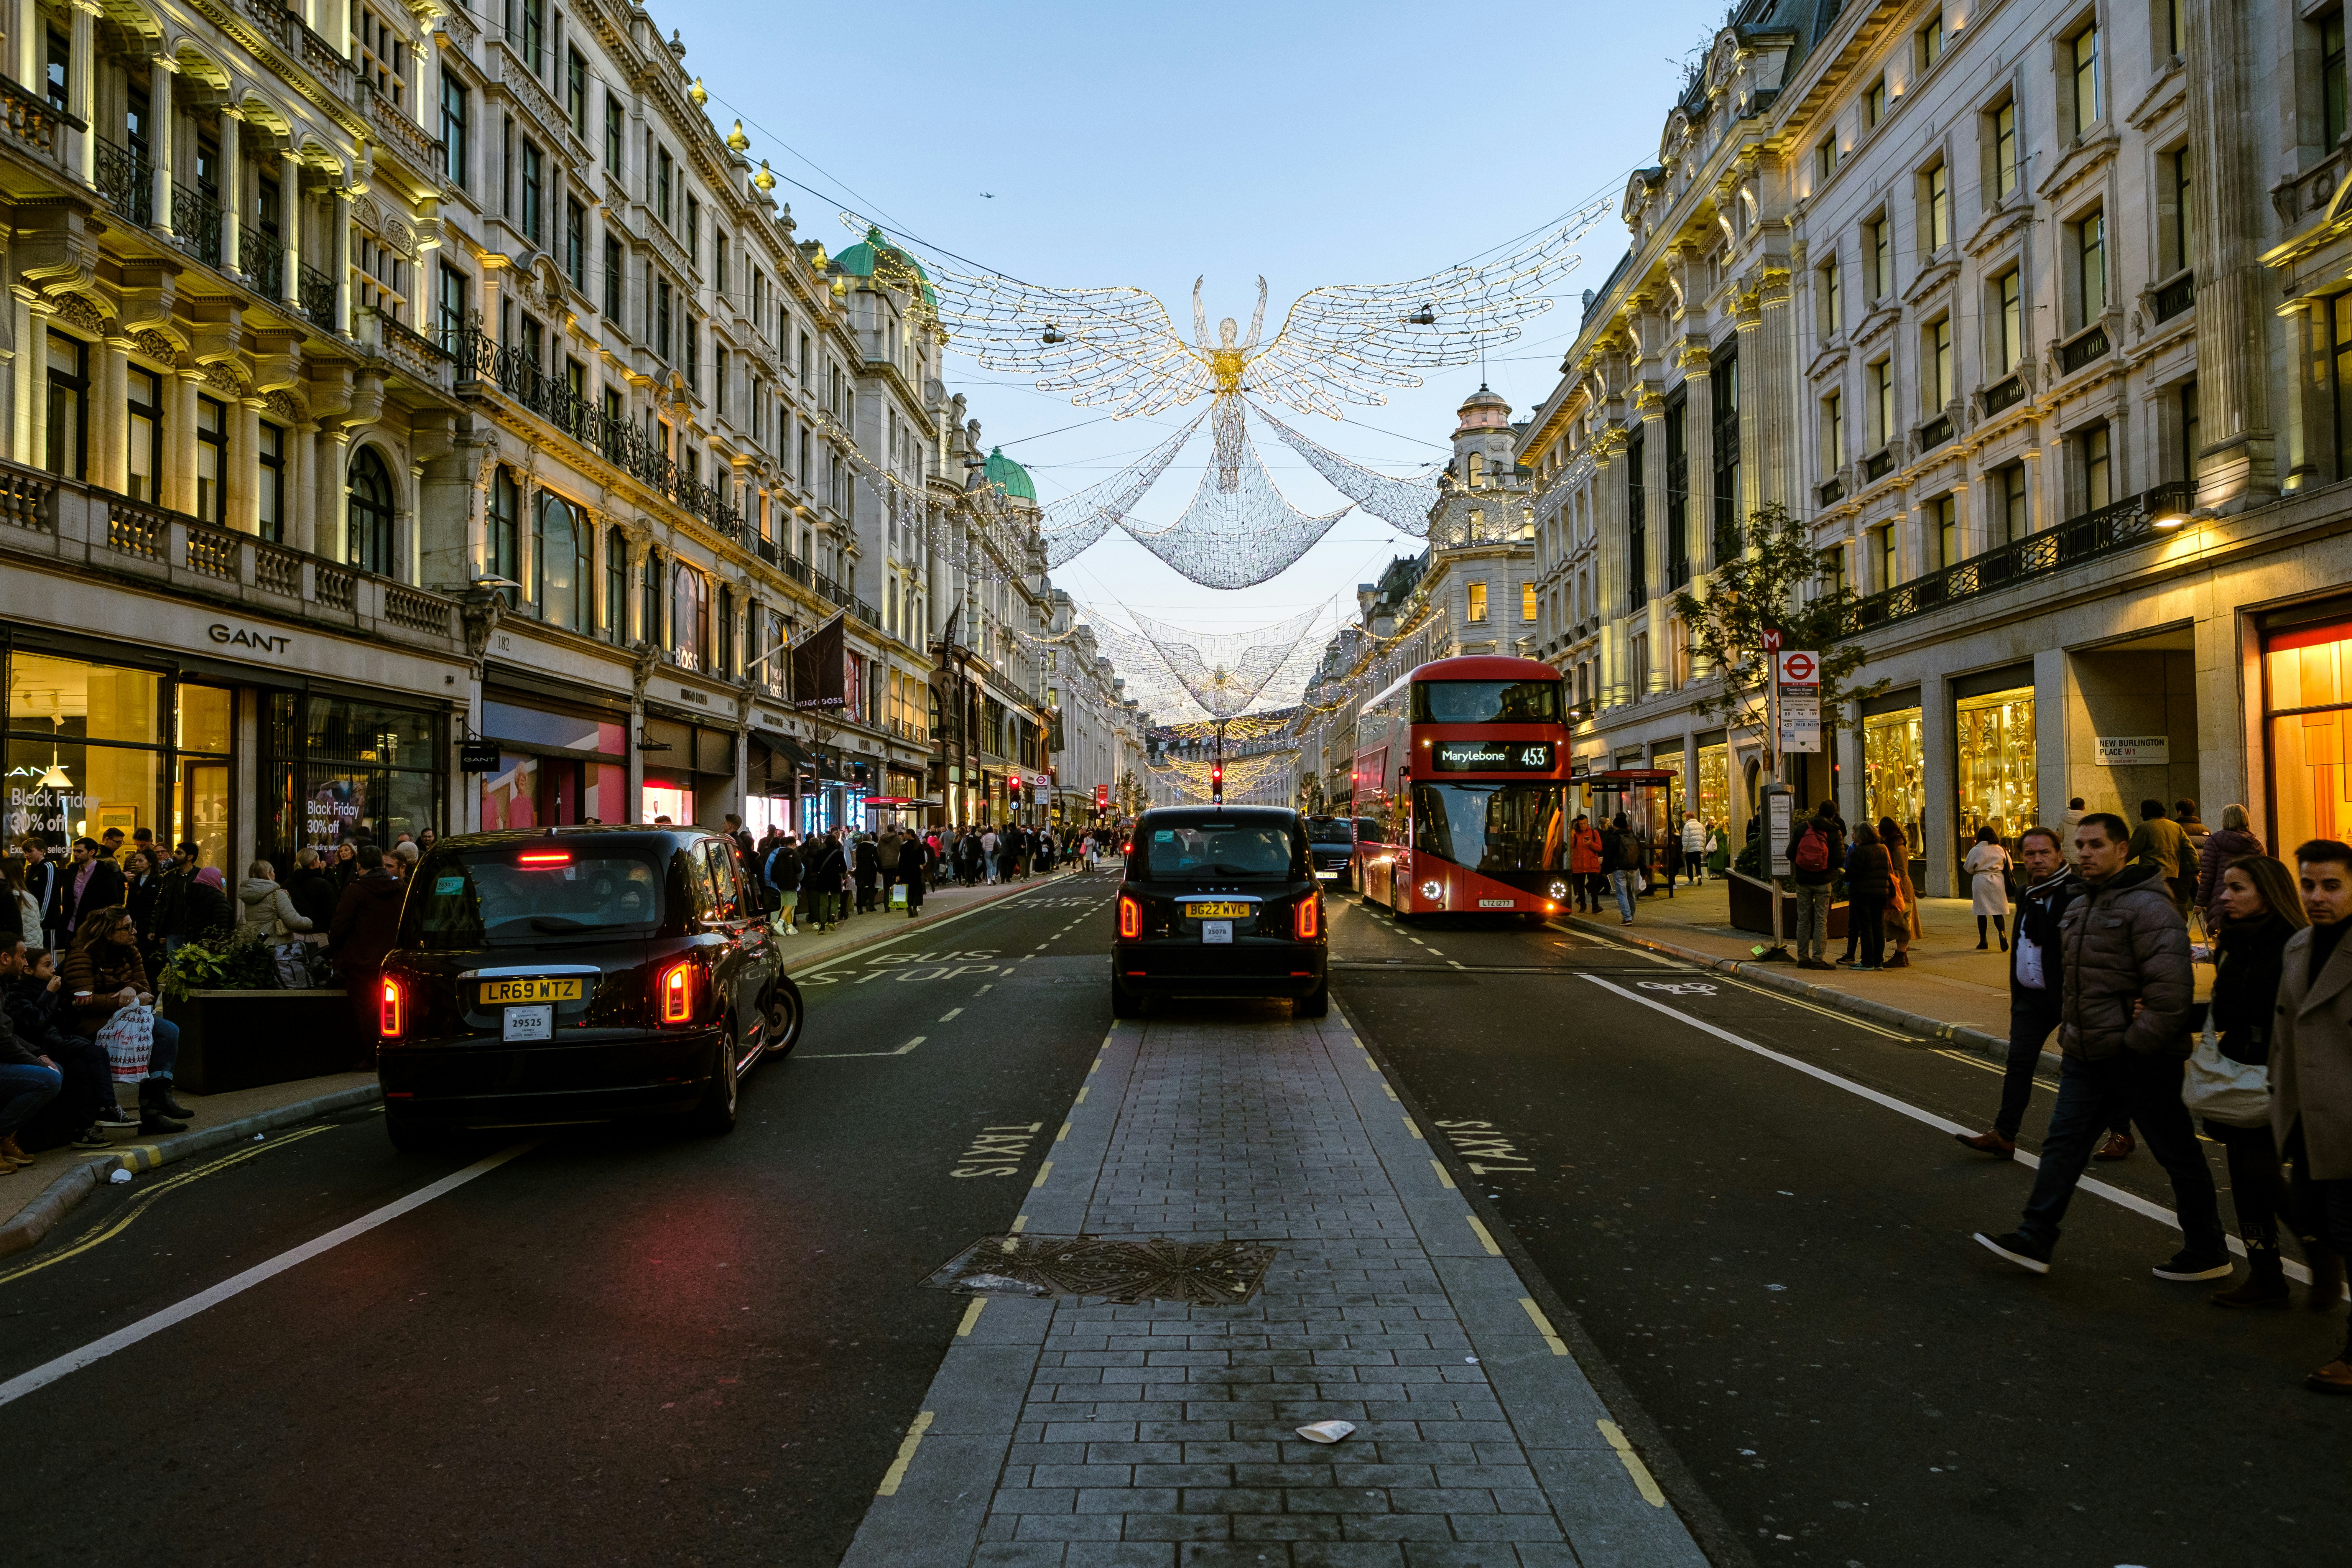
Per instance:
(291,957)
(129,1036)
(2236,1094)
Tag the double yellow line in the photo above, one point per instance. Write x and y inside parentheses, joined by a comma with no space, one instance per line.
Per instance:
(140,1205)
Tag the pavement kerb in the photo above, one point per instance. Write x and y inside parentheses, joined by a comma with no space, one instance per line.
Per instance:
(35,1219)
(1775,977)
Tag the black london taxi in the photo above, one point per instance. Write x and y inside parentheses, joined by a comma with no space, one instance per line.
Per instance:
(578,975)
(1220,900)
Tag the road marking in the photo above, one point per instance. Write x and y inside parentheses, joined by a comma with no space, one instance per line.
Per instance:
(1643,1480)
(139,1206)
(1443,1180)
(41,1376)
(844,1056)
(1543,1326)
(971,1317)
(1043,1171)
(1485,1240)
(1829,1013)
(1388,1092)
(897,1470)
(1413,1129)
(949,1014)
(1064,1133)
(1082,1094)
(2116,1195)
(1020,1222)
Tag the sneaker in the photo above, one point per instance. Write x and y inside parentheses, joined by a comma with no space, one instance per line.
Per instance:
(1864,968)
(2187,1265)
(1989,1141)
(92,1138)
(1626,921)
(2032,1256)
(116,1116)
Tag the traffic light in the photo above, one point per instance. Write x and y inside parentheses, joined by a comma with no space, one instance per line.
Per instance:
(1217,784)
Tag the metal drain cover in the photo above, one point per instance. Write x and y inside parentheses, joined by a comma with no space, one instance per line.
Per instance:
(1124,1270)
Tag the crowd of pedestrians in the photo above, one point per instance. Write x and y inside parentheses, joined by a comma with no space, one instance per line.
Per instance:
(833,874)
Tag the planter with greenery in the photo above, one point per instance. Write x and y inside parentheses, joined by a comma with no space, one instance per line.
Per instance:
(240,1028)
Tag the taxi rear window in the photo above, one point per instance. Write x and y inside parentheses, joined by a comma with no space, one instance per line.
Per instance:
(1205,848)
(540,894)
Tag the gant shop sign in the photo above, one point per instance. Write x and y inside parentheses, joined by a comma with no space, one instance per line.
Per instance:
(263,644)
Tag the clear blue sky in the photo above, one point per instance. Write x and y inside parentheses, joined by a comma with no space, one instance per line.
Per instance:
(1147,145)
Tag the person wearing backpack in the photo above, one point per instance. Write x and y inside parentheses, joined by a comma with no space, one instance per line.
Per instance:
(1621,852)
(1814,856)
(782,874)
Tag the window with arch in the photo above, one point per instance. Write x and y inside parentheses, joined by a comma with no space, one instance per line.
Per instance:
(371,526)
(689,609)
(560,541)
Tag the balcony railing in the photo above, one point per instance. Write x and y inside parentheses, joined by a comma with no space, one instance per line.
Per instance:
(2081,350)
(1934,432)
(318,298)
(422,151)
(127,180)
(2127,523)
(33,123)
(261,256)
(1879,464)
(622,442)
(196,224)
(2176,296)
(2003,395)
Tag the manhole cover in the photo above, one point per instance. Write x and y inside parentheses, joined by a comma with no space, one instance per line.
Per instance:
(1197,1274)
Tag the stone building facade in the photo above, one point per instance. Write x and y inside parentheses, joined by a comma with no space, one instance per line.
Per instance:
(1988,297)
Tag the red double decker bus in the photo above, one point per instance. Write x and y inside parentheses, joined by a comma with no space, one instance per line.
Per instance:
(1463,766)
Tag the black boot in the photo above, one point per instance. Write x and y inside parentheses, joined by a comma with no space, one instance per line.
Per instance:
(151,1118)
(2265,1288)
(2326,1276)
(166,1103)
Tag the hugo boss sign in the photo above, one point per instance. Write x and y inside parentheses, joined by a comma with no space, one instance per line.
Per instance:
(1492,756)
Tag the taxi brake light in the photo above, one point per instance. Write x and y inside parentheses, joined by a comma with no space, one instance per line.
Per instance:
(1130,917)
(674,993)
(392,1017)
(1306,918)
(544,858)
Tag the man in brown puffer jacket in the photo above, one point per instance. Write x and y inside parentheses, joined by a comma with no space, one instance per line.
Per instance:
(2124,1029)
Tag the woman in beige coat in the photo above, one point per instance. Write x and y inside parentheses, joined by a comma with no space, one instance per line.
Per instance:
(1902,909)
(2310,1079)
(267,910)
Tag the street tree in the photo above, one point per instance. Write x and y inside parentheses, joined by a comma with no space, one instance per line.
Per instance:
(1777,582)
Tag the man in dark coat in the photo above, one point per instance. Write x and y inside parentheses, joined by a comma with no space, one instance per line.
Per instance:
(312,889)
(365,927)
(92,882)
(2123,1030)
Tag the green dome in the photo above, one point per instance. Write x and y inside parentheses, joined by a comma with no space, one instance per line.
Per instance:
(1009,476)
(859,261)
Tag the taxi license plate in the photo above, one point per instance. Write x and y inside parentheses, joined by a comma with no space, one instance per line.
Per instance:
(504,993)
(1216,911)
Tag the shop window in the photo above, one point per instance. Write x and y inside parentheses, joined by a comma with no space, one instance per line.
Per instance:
(333,768)
(2307,702)
(269,457)
(68,443)
(561,546)
(370,513)
(84,748)
(1712,793)
(144,454)
(1996,780)
(1894,780)
(212,461)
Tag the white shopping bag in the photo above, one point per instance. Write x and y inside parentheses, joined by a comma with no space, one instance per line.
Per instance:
(128,1037)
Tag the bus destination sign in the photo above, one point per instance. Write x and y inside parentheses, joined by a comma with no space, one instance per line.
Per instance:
(1492,756)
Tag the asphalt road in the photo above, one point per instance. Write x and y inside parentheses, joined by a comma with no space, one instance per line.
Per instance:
(1780,1271)
(622,1346)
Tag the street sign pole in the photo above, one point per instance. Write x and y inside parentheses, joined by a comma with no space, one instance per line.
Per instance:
(1778,819)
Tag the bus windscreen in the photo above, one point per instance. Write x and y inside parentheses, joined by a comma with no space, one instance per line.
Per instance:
(1486,701)
(1493,828)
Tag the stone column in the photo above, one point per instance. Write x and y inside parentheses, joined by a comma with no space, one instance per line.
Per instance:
(28,431)
(289,220)
(1748,314)
(302,489)
(232,185)
(1655,521)
(1775,381)
(245,463)
(1939,763)
(1698,445)
(31,35)
(335,494)
(2238,463)
(178,480)
(108,432)
(81,84)
(339,251)
(159,101)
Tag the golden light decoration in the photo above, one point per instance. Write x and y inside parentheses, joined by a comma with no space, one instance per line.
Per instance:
(701,94)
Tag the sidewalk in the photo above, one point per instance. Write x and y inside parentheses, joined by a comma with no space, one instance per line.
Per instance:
(1950,990)
(1074,1431)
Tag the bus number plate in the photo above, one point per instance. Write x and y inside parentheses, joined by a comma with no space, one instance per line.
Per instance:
(1216,911)
(1499,903)
(501,993)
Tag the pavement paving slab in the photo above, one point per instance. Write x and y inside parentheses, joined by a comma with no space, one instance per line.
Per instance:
(1070,1432)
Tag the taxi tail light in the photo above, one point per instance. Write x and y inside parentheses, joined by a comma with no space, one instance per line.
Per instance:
(674,992)
(1306,918)
(544,858)
(1130,916)
(391,1009)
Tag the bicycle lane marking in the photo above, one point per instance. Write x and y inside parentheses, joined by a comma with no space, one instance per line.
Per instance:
(98,1350)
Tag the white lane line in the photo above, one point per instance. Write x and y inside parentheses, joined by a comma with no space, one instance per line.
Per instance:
(823,964)
(41,1376)
(949,1014)
(844,1056)
(2116,1195)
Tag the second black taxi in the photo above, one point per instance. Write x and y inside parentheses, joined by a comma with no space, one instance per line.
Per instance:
(1219,901)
